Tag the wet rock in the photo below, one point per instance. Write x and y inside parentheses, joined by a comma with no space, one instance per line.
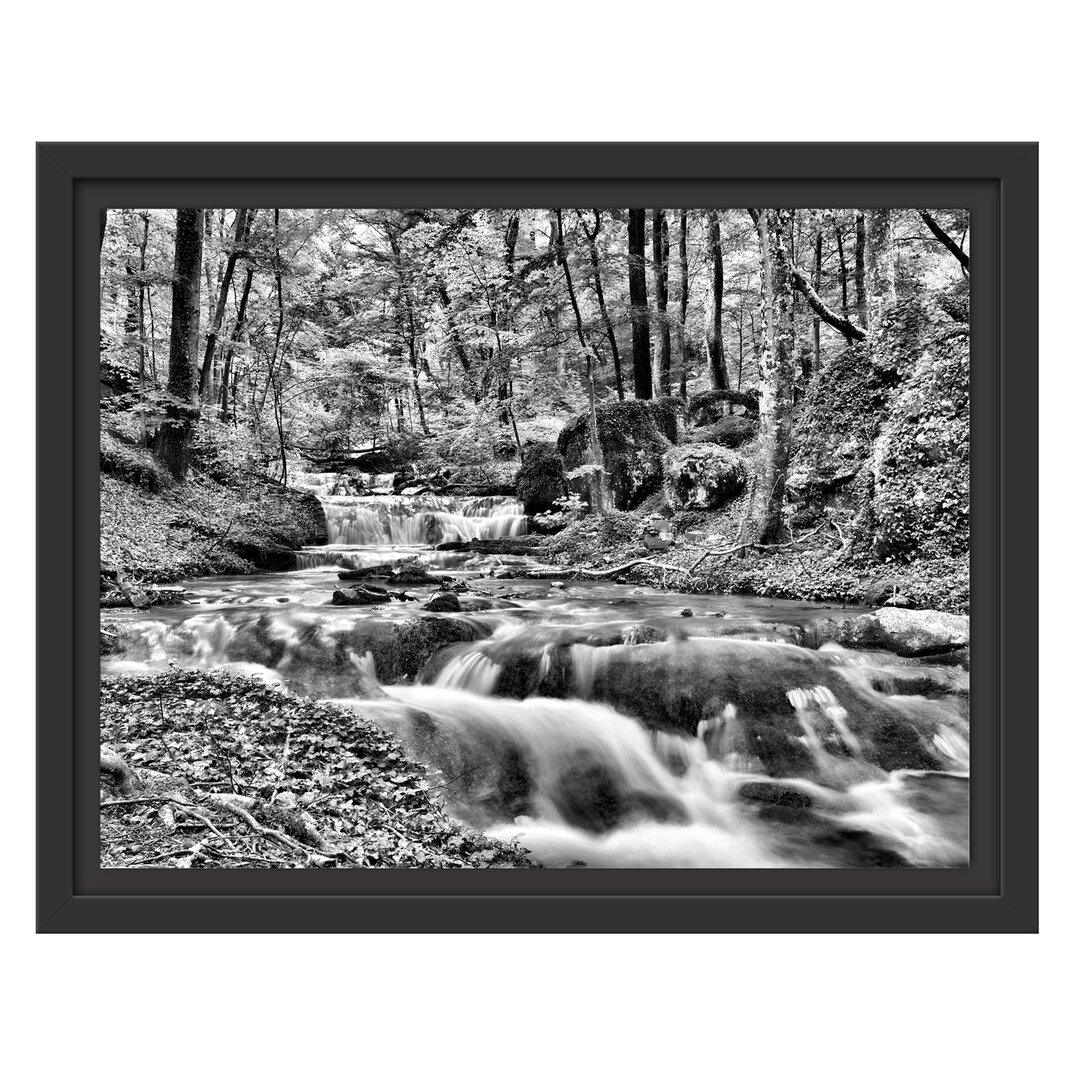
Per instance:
(360,594)
(445,601)
(906,633)
(413,575)
(702,476)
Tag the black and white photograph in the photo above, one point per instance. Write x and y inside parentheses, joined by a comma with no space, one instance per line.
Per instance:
(584,537)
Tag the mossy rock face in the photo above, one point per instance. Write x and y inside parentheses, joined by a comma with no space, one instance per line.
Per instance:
(712,406)
(702,476)
(730,431)
(920,464)
(634,436)
(541,479)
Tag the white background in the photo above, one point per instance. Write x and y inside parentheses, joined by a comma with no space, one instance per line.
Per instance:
(663,1006)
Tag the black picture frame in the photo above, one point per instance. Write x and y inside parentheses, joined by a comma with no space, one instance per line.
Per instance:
(997,181)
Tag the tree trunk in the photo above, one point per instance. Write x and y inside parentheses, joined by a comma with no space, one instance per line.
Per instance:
(639,305)
(842,274)
(661,250)
(598,285)
(234,338)
(684,303)
(880,265)
(860,268)
(764,518)
(946,239)
(601,498)
(103,221)
(243,226)
(714,333)
(174,437)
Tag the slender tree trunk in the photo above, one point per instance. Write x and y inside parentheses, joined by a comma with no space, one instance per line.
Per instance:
(455,337)
(684,303)
(639,305)
(407,321)
(598,488)
(243,226)
(764,517)
(860,268)
(714,332)
(946,239)
(880,265)
(598,285)
(843,276)
(661,248)
(234,339)
(174,438)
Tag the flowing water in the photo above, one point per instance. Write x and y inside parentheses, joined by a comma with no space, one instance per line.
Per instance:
(597,723)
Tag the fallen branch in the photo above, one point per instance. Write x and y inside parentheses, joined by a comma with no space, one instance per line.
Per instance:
(755,547)
(626,566)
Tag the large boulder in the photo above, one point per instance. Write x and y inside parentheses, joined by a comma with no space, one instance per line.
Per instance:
(541,479)
(702,476)
(634,436)
(730,431)
(713,405)
(906,633)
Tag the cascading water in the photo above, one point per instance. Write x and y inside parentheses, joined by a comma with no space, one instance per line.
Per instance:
(695,746)
(361,512)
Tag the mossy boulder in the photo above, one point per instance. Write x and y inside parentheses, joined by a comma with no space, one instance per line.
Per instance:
(714,405)
(702,476)
(730,431)
(541,479)
(634,437)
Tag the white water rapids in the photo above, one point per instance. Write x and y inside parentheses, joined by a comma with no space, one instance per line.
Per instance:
(593,723)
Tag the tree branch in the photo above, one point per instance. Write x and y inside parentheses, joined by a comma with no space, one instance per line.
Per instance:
(945,238)
(826,314)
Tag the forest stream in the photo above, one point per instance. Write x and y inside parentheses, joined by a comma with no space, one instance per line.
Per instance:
(597,723)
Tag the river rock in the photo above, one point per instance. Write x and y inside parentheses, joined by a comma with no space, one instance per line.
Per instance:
(904,632)
(444,601)
(702,476)
(360,594)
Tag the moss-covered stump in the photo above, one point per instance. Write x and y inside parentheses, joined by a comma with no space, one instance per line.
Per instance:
(634,436)
(702,476)
(234,773)
(541,479)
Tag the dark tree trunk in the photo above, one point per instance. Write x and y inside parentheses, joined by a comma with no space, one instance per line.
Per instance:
(684,303)
(946,239)
(174,438)
(243,226)
(842,274)
(764,518)
(714,333)
(598,285)
(639,305)
(103,221)
(455,337)
(661,251)
(860,268)
(234,338)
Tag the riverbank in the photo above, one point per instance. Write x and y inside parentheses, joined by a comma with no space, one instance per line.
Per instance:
(155,531)
(230,772)
(820,567)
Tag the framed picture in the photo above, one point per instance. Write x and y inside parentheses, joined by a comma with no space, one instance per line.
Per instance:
(475,550)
